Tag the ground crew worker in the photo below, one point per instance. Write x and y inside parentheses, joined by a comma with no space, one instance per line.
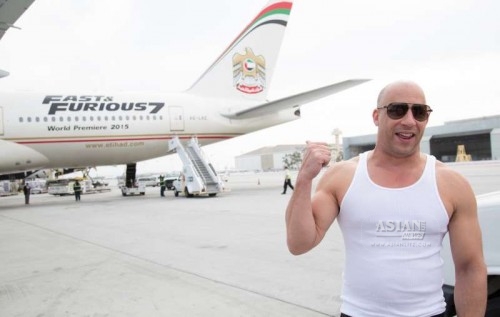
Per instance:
(288,181)
(162,186)
(77,188)
(27,192)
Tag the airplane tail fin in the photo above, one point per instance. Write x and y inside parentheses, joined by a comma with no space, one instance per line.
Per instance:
(246,67)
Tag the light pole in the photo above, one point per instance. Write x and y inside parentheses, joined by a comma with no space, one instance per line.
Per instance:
(336,133)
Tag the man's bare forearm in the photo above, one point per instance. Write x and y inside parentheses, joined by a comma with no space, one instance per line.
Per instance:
(300,224)
(471,292)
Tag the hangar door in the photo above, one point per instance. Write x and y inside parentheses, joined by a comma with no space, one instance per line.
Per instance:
(266,162)
(355,150)
(478,145)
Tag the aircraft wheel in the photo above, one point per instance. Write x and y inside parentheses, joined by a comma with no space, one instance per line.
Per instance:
(186,192)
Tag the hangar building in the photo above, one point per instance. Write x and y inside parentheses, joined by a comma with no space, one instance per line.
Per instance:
(480,136)
(266,158)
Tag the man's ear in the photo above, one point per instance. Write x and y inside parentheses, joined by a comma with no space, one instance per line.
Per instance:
(375,115)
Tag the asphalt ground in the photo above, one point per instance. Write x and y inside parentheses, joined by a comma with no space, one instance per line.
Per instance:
(109,255)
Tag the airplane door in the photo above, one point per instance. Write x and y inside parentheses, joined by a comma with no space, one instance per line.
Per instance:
(176,118)
(1,121)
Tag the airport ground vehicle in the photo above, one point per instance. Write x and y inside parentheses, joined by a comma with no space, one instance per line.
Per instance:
(198,176)
(179,185)
(8,188)
(133,188)
(64,186)
(149,181)
(38,186)
(193,185)
(129,184)
(489,219)
(169,182)
(153,181)
(38,190)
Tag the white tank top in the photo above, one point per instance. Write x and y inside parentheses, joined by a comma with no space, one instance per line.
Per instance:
(393,238)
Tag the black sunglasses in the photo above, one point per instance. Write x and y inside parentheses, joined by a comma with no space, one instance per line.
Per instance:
(397,110)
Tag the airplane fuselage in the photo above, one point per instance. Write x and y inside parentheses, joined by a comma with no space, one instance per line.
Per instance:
(64,130)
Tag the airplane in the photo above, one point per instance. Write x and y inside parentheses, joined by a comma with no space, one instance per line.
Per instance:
(57,130)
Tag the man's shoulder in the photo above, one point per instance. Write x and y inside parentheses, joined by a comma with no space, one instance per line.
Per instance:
(454,188)
(445,171)
(341,173)
(347,165)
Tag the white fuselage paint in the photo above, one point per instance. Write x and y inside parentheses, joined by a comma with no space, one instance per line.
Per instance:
(49,131)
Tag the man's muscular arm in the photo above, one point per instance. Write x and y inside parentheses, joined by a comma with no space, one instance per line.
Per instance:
(308,219)
(466,246)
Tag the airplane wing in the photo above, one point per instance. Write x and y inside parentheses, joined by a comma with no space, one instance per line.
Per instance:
(295,100)
(10,11)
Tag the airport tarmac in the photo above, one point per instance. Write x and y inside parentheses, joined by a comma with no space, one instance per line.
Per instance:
(109,255)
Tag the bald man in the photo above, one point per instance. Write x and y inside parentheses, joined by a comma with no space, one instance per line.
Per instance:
(394,205)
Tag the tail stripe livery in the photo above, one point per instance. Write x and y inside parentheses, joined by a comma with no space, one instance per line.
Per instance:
(259,43)
(277,13)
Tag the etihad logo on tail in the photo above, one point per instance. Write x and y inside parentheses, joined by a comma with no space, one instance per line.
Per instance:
(249,72)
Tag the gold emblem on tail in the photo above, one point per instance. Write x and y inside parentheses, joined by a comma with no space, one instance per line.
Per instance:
(249,72)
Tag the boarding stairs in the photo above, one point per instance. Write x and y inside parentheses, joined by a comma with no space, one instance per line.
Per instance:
(201,177)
